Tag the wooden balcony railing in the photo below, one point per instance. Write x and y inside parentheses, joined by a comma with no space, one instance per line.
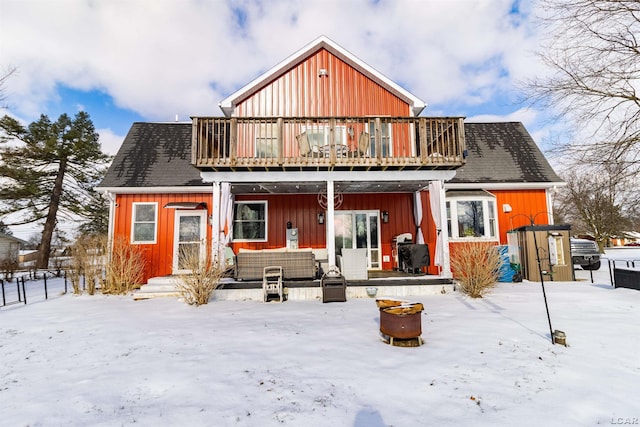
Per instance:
(326,143)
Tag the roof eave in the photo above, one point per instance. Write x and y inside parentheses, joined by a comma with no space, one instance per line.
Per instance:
(150,190)
(504,185)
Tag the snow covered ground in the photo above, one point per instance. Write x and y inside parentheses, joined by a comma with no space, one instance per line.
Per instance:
(105,360)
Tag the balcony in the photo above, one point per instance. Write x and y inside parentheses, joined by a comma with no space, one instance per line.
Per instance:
(327,143)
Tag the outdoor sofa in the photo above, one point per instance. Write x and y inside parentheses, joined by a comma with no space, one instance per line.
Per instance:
(295,263)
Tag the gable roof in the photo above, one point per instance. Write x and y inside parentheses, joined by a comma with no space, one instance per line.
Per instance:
(154,155)
(503,153)
(228,104)
(9,237)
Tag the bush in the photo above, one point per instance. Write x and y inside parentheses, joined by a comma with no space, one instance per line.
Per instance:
(125,269)
(198,286)
(8,267)
(476,266)
(86,259)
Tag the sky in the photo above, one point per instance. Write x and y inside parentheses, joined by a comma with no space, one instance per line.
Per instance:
(109,360)
(154,60)
(124,61)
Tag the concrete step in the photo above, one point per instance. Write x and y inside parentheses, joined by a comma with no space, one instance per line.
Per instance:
(148,295)
(164,280)
(157,288)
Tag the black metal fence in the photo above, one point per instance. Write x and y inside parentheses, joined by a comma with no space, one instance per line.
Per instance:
(21,288)
(625,273)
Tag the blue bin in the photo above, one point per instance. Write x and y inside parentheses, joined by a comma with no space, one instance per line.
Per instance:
(506,272)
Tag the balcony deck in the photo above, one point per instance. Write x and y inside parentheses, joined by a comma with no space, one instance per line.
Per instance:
(327,143)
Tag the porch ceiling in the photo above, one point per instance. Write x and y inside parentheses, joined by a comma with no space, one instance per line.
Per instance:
(316,187)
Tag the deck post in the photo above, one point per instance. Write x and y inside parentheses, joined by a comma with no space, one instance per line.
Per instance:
(444,234)
(215,223)
(331,233)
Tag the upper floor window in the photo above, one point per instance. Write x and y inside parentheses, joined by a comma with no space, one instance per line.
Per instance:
(385,139)
(266,141)
(319,137)
(145,222)
(471,215)
(250,221)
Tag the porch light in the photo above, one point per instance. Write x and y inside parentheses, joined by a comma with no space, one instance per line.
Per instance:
(385,216)
(320,217)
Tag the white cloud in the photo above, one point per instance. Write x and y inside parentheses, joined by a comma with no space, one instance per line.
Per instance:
(182,57)
(109,141)
(524,115)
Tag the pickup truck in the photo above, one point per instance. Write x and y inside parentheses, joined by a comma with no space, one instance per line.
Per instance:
(585,253)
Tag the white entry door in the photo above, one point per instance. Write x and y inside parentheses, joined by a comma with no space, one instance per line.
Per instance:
(189,238)
(359,229)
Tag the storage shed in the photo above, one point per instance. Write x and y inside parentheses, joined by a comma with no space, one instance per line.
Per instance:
(551,245)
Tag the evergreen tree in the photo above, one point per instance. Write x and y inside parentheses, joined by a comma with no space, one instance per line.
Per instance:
(4,229)
(97,215)
(47,170)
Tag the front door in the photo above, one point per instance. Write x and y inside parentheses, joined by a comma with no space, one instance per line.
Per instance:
(189,239)
(359,229)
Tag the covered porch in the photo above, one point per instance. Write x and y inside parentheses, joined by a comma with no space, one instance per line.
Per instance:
(314,200)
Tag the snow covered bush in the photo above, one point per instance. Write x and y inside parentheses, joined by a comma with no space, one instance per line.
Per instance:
(197,286)
(476,267)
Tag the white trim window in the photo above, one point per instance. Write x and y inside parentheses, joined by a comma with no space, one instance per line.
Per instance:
(250,221)
(471,217)
(144,223)
(266,142)
(318,136)
(386,142)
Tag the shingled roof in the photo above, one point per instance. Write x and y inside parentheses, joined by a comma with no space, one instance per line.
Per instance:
(503,153)
(159,155)
(154,155)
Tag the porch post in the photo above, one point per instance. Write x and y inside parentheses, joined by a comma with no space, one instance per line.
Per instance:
(444,234)
(215,222)
(331,232)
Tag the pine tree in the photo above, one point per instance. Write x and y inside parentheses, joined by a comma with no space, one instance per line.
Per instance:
(4,229)
(47,170)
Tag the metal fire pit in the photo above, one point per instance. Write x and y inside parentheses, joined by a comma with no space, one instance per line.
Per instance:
(400,320)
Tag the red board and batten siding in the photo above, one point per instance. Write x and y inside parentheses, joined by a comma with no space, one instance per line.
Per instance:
(301,92)
(159,256)
(525,203)
(302,211)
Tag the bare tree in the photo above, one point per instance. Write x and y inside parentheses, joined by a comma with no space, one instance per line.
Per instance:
(593,52)
(595,202)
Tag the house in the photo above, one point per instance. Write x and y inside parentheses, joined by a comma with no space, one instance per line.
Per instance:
(9,249)
(324,152)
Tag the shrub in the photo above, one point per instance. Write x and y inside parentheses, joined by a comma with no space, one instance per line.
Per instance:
(125,270)
(8,267)
(198,286)
(476,266)
(86,259)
